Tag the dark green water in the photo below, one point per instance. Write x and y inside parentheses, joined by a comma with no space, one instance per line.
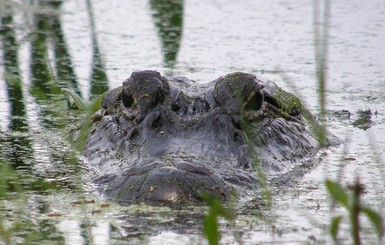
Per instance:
(91,46)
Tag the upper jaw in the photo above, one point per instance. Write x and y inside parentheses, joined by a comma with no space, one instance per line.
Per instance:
(158,182)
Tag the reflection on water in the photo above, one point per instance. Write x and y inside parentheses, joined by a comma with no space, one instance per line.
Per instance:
(39,57)
(34,142)
(168,19)
(12,75)
(98,80)
(16,147)
(46,33)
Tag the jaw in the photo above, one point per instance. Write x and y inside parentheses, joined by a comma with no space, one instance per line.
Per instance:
(159,184)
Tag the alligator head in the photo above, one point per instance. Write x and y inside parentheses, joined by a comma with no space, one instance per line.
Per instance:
(172,140)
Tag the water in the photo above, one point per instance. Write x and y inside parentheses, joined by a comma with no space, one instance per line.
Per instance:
(103,42)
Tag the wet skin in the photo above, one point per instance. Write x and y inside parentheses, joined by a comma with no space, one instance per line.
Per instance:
(171,140)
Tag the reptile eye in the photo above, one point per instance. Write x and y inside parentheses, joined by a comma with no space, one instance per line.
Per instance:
(269,99)
(254,102)
(239,91)
(127,98)
(295,112)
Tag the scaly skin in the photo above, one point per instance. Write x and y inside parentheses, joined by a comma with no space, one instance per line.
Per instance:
(160,140)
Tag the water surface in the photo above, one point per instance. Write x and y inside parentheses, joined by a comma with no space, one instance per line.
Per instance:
(91,46)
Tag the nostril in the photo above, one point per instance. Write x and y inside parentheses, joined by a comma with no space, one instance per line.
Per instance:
(175,107)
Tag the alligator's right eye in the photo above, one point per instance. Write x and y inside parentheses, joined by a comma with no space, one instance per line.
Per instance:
(295,112)
(127,98)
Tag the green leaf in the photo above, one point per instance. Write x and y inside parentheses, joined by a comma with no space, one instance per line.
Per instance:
(337,192)
(97,104)
(334,227)
(210,224)
(9,180)
(210,227)
(376,219)
(80,103)
(83,133)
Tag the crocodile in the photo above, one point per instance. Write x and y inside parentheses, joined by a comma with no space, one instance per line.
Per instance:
(172,140)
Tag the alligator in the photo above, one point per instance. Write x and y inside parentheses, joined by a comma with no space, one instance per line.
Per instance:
(173,140)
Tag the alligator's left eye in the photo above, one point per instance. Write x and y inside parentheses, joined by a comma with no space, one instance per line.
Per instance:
(282,106)
(239,91)
(270,99)
(254,101)
(127,98)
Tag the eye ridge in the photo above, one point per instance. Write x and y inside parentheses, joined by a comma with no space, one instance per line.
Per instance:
(294,112)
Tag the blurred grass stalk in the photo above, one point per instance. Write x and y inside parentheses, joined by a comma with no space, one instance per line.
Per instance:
(321,37)
(10,187)
(339,195)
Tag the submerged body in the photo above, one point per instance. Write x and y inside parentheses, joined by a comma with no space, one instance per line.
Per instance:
(172,140)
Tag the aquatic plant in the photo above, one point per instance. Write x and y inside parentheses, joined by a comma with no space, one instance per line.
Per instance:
(210,223)
(9,182)
(89,109)
(350,199)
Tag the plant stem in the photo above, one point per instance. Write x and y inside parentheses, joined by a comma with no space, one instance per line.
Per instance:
(321,37)
(355,211)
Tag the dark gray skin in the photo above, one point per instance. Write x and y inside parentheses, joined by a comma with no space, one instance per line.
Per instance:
(160,140)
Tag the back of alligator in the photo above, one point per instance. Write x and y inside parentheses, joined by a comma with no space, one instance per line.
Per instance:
(160,140)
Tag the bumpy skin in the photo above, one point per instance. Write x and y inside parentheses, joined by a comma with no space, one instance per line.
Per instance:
(172,140)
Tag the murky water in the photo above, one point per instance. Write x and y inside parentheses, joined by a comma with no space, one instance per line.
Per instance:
(91,46)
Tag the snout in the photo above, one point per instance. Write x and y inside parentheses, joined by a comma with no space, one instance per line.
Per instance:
(165,183)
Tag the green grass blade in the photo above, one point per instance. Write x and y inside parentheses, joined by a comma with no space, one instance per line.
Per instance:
(334,227)
(97,104)
(337,193)
(80,103)
(210,227)
(210,223)
(376,220)
(9,180)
